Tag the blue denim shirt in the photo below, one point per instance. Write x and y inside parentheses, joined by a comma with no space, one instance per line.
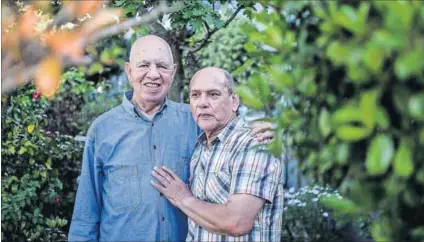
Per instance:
(115,200)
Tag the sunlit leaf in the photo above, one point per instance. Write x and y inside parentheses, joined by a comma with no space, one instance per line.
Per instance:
(352,133)
(379,155)
(27,23)
(64,43)
(102,18)
(48,76)
(403,164)
(416,106)
(30,128)
(324,122)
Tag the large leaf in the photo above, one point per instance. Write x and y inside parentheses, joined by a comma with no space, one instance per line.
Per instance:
(403,164)
(248,97)
(379,155)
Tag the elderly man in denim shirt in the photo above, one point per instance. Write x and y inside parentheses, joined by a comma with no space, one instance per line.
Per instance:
(115,201)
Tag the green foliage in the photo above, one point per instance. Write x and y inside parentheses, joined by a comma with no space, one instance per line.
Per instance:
(306,218)
(63,110)
(226,50)
(39,170)
(354,77)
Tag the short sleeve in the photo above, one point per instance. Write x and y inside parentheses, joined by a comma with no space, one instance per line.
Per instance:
(255,172)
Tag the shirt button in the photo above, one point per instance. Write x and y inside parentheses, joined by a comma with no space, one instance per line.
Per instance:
(154,147)
(163,218)
(153,124)
(160,194)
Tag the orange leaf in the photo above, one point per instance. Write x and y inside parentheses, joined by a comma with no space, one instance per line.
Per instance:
(65,43)
(27,23)
(103,17)
(48,76)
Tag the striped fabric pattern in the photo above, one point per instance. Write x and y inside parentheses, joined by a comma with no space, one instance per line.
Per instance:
(233,164)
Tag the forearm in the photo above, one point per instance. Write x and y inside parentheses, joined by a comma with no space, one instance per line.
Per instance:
(210,216)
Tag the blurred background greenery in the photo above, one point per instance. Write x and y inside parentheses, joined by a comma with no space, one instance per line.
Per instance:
(341,80)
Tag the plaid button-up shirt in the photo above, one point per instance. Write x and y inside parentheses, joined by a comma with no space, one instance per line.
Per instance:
(233,164)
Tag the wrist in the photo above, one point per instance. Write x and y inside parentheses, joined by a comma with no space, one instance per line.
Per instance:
(186,201)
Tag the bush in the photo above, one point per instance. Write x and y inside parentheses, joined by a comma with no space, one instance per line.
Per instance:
(39,170)
(305,218)
(353,73)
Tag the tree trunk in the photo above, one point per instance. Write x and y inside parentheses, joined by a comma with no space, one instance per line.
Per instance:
(176,38)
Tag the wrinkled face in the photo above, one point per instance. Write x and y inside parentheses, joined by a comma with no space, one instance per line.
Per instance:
(150,71)
(211,104)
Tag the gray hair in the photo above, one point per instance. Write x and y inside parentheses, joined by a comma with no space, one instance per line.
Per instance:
(230,81)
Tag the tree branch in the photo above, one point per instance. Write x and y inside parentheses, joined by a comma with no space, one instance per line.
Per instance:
(21,74)
(209,32)
(121,27)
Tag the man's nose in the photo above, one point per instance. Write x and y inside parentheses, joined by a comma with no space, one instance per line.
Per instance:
(203,102)
(153,73)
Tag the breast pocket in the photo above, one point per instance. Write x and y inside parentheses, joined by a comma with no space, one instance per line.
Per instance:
(123,188)
(218,186)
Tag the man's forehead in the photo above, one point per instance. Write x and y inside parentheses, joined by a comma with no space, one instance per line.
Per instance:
(204,82)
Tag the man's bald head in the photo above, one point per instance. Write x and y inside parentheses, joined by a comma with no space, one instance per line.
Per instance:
(150,42)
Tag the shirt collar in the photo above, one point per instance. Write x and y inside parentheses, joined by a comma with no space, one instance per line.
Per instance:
(131,109)
(225,132)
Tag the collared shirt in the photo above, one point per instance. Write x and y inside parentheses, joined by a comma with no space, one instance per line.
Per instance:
(233,164)
(115,200)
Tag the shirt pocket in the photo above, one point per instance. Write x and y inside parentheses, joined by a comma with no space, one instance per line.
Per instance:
(218,186)
(123,188)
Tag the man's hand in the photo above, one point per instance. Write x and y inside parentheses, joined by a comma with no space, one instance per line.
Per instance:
(174,189)
(262,131)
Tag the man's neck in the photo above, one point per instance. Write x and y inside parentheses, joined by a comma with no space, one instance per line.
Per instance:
(149,109)
(211,136)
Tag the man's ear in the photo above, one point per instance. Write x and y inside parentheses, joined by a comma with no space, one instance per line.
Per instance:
(236,101)
(174,71)
(128,71)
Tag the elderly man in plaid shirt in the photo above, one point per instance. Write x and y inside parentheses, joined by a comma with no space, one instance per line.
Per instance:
(236,191)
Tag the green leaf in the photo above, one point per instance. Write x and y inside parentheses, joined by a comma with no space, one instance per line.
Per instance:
(324,123)
(275,147)
(352,133)
(368,106)
(416,106)
(340,205)
(418,233)
(346,115)
(373,59)
(382,118)
(409,64)
(22,150)
(403,164)
(248,97)
(380,230)
(342,153)
(379,155)
(419,177)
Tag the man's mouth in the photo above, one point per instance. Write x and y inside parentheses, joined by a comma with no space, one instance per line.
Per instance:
(205,116)
(150,84)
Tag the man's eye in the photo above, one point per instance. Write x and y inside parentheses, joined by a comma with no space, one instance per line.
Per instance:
(194,95)
(143,66)
(214,94)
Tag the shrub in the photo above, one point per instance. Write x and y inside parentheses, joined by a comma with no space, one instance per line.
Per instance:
(39,170)
(353,73)
(305,218)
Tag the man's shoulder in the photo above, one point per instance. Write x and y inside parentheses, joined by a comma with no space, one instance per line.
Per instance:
(104,118)
(179,107)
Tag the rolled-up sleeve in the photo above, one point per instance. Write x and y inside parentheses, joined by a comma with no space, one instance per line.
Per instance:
(86,215)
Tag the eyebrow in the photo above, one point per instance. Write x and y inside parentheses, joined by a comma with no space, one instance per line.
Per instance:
(207,90)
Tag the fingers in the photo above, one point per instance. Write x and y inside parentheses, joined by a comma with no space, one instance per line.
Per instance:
(171,173)
(158,187)
(260,127)
(163,180)
(266,135)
